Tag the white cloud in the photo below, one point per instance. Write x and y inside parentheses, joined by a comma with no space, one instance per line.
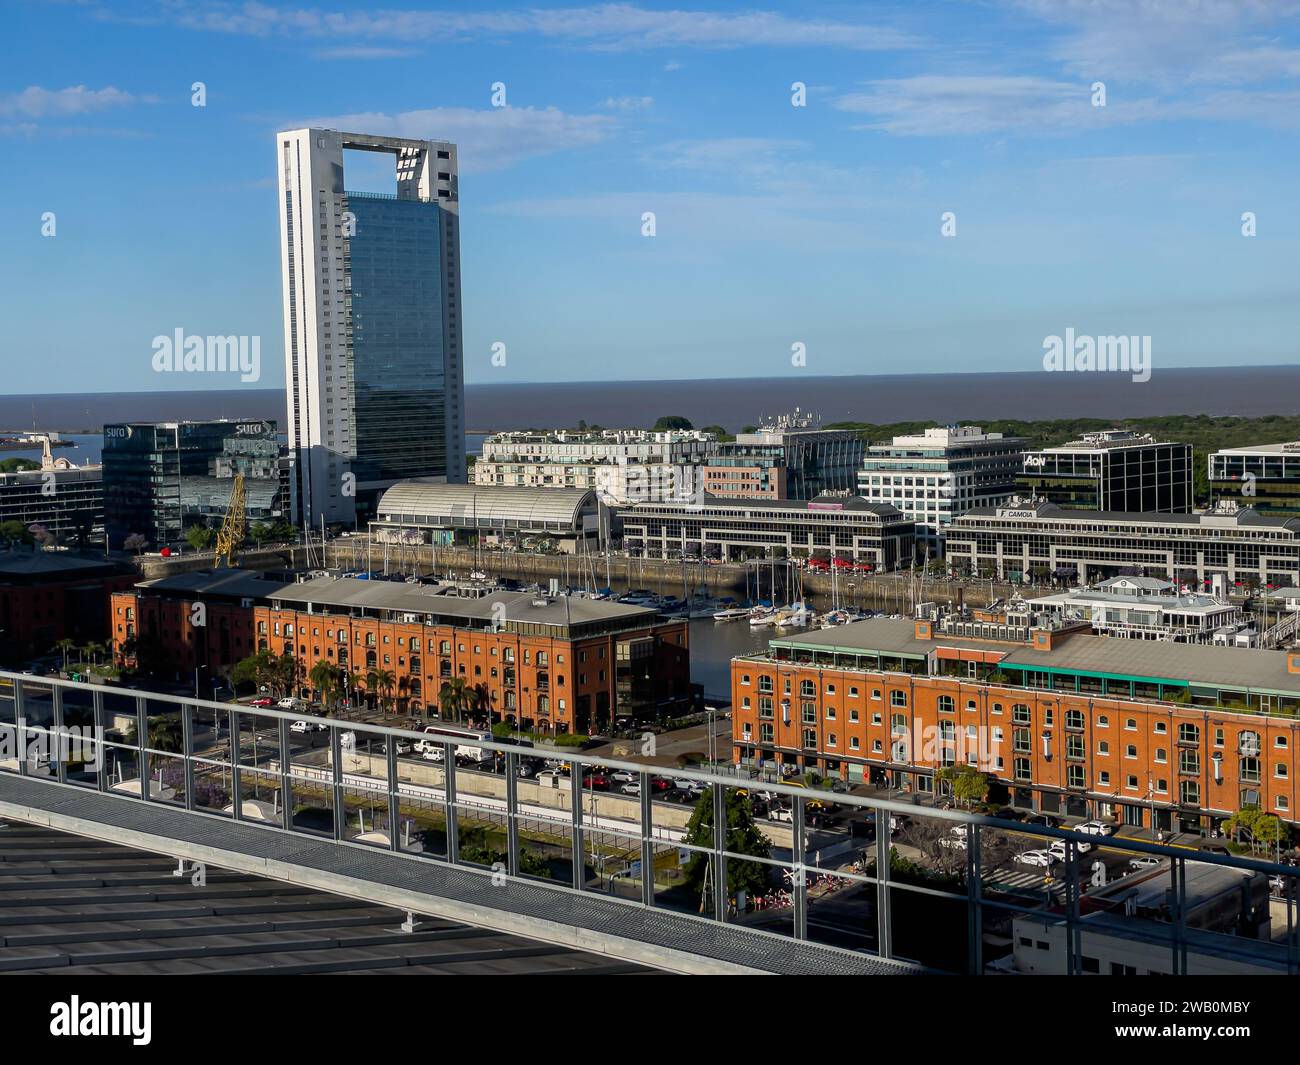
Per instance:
(37,102)
(488,139)
(976,104)
(616,26)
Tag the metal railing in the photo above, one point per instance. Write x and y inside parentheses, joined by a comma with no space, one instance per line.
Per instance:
(857,872)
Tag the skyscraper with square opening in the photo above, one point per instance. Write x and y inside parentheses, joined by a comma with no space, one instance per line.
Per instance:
(372,328)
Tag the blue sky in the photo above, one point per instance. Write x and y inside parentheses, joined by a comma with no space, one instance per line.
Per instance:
(775,224)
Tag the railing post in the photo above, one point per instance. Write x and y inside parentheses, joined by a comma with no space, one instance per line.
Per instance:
(236,754)
(974,903)
(20,727)
(884,929)
(512,813)
(449,791)
(647,842)
(56,734)
(575,822)
(187,749)
(286,791)
(394,808)
(141,744)
(338,807)
(719,863)
(1073,936)
(1178,876)
(97,718)
(799,880)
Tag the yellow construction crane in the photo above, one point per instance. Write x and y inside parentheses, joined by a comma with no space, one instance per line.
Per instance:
(231,533)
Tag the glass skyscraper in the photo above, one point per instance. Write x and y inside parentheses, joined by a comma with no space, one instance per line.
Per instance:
(372,331)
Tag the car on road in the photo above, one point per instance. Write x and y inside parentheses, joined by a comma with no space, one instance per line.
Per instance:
(263,701)
(1041,858)
(1146,861)
(526,769)
(781,813)
(632,788)
(692,786)
(660,784)
(623,776)
(1058,851)
(403,747)
(1095,828)
(1046,820)
(302,727)
(596,781)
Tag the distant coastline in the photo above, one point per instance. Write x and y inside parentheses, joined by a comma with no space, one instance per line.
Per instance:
(1247,391)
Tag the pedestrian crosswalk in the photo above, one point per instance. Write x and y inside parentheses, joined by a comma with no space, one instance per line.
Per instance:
(1027,881)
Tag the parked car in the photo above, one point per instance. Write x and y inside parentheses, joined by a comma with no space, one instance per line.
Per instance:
(403,747)
(306,726)
(1046,820)
(263,701)
(1042,858)
(596,782)
(634,788)
(660,784)
(1145,861)
(683,784)
(1095,828)
(623,776)
(781,813)
(289,703)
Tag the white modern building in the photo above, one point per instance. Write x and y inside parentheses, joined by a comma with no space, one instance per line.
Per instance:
(622,465)
(940,474)
(372,330)
(1145,608)
(1263,476)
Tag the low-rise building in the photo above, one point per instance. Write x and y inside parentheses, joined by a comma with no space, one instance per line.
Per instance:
(1115,470)
(1264,477)
(66,500)
(1144,608)
(850,528)
(418,512)
(1027,538)
(620,464)
(1060,720)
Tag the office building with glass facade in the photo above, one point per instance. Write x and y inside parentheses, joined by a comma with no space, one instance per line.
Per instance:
(1265,477)
(1112,470)
(160,478)
(371,287)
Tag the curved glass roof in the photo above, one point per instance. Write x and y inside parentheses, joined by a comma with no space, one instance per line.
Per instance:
(470,504)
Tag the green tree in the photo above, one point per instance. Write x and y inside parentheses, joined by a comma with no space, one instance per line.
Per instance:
(165,733)
(65,645)
(258,669)
(743,837)
(15,532)
(384,681)
(672,421)
(1261,830)
(969,785)
(199,537)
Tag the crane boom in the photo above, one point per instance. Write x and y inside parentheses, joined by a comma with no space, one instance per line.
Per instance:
(231,533)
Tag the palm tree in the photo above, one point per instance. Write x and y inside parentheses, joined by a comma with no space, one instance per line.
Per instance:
(385,680)
(481,699)
(324,677)
(453,698)
(372,684)
(353,681)
(65,645)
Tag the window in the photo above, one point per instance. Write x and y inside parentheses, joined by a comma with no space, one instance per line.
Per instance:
(1131,751)
(765,684)
(830,739)
(1074,719)
(1074,777)
(830,713)
(830,689)
(1130,724)
(807,688)
(1189,793)
(946,705)
(897,698)
(1103,721)
(1160,728)
(853,743)
(1131,782)
(1103,748)
(1188,733)
(1103,778)
(1021,768)
(1189,762)
(1020,714)
(875,693)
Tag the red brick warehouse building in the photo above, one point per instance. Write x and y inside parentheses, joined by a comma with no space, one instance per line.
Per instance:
(1061,721)
(551,663)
